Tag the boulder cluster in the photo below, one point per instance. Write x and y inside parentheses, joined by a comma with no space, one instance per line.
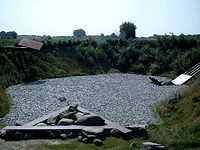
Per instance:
(73,116)
(92,131)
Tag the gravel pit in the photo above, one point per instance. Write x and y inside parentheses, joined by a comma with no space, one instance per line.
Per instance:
(123,98)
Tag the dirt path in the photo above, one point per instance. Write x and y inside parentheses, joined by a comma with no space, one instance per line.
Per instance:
(30,144)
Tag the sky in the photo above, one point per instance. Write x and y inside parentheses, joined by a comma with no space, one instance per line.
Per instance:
(62,17)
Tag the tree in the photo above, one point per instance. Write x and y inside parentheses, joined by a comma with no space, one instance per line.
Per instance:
(102,36)
(127,30)
(12,34)
(8,35)
(113,35)
(79,33)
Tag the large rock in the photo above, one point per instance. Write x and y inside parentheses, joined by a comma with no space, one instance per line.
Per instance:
(73,108)
(73,134)
(152,146)
(41,124)
(67,114)
(28,136)
(85,140)
(115,132)
(78,115)
(65,122)
(90,120)
(98,142)
(3,133)
(61,114)
(80,138)
(133,144)
(20,123)
(91,132)
(138,130)
(63,136)
(62,99)
(53,119)
(18,136)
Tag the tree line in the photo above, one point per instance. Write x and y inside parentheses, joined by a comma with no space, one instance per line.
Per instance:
(168,55)
(8,35)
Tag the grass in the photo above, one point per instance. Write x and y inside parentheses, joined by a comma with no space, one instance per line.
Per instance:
(181,127)
(111,143)
(4,103)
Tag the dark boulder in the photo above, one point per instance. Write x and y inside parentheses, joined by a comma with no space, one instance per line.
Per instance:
(73,108)
(65,122)
(91,132)
(115,133)
(90,120)
(138,131)
(98,142)
(63,136)
(62,99)
(53,119)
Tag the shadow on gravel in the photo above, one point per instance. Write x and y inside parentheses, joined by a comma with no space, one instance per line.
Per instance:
(34,83)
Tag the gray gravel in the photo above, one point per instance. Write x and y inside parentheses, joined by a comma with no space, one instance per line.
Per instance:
(123,98)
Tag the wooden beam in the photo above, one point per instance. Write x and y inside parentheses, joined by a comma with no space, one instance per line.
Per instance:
(70,127)
(30,125)
(45,117)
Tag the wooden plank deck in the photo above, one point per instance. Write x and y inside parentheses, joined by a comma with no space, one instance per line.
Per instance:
(30,125)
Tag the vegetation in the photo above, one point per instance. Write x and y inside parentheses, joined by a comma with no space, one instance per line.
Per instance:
(79,33)
(4,103)
(127,30)
(110,143)
(168,55)
(8,35)
(180,129)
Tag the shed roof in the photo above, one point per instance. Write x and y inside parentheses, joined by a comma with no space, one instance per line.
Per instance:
(30,44)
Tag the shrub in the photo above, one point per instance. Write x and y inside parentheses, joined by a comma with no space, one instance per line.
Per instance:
(196,98)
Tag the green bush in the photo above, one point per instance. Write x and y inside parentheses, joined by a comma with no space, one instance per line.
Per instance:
(196,98)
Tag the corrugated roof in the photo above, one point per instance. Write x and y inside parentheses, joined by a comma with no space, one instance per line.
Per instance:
(30,44)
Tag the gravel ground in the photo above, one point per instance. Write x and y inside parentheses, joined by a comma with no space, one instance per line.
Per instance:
(123,98)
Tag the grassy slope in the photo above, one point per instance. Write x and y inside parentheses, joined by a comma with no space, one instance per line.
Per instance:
(61,64)
(4,102)
(181,127)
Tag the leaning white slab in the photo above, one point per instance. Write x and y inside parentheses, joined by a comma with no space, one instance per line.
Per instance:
(181,79)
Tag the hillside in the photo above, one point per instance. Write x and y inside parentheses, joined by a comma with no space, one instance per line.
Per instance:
(180,129)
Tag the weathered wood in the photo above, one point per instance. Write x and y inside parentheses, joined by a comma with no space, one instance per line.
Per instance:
(71,127)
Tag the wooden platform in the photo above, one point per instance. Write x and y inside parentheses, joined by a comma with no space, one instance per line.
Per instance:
(30,125)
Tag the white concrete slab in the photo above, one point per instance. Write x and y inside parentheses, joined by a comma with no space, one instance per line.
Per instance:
(181,79)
